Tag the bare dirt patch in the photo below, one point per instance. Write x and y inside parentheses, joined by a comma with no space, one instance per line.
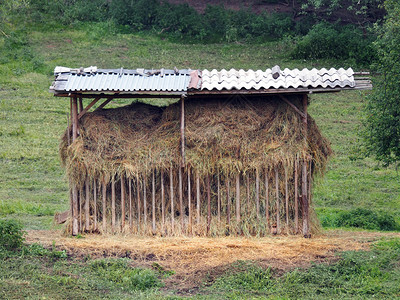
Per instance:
(194,259)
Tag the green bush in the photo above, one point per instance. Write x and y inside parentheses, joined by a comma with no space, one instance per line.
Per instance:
(367,219)
(118,271)
(11,235)
(329,41)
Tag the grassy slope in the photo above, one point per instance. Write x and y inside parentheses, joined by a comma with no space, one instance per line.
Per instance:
(32,185)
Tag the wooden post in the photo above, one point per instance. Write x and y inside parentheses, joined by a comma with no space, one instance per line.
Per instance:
(95,205)
(68,131)
(87,199)
(218,198)
(189,202)
(183,131)
(171,185)
(113,204)
(238,199)
(80,199)
(228,202)
(153,202)
(306,227)
(198,196)
(181,211)
(138,201)
(277,200)
(248,193)
(208,204)
(80,105)
(122,201)
(74,213)
(296,195)
(287,200)
(75,225)
(130,204)
(266,198)
(104,191)
(162,201)
(258,193)
(145,201)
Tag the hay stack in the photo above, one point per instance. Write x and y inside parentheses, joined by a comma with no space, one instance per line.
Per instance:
(227,139)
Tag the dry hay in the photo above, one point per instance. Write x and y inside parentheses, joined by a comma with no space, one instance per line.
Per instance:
(193,258)
(224,138)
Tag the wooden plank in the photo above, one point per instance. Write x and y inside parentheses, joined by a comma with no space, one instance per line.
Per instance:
(130,214)
(181,210)
(74,119)
(198,196)
(80,104)
(162,201)
(296,195)
(103,104)
(266,198)
(190,202)
(138,201)
(306,227)
(113,204)
(182,132)
(80,200)
(218,198)
(145,201)
(208,204)
(171,185)
(75,224)
(292,106)
(153,202)
(238,199)
(248,193)
(123,214)
(95,205)
(87,200)
(228,202)
(278,217)
(104,192)
(287,200)
(258,193)
(61,218)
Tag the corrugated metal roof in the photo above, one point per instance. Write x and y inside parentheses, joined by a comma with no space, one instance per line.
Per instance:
(177,82)
(120,80)
(276,78)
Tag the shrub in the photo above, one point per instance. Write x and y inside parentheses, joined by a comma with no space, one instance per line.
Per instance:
(11,235)
(119,272)
(367,219)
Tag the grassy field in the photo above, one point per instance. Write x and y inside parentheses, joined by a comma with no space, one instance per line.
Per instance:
(33,186)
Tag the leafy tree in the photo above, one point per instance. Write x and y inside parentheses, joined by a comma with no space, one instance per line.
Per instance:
(382,122)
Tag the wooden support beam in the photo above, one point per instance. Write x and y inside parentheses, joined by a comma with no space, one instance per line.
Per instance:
(266,198)
(145,201)
(74,119)
(182,131)
(86,109)
(248,193)
(306,226)
(138,201)
(95,205)
(87,207)
(208,204)
(123,214)
(257,193)
(162,201)
(153,202)
(80,200)
(278,217)
(75,225)
(218,198)
(293,106)
(101,106)
(181,210)
(130,214)
(80,104)
(189,202)
(287,200)
(113,204)
(198,196)
(238,199)
(171,185)
(296,195)
(68,130)
(104,192)
(228,202)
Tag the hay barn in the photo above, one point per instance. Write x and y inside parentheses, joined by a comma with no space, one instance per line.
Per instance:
(235,154)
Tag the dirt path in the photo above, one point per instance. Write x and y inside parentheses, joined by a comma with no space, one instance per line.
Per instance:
(194,258)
